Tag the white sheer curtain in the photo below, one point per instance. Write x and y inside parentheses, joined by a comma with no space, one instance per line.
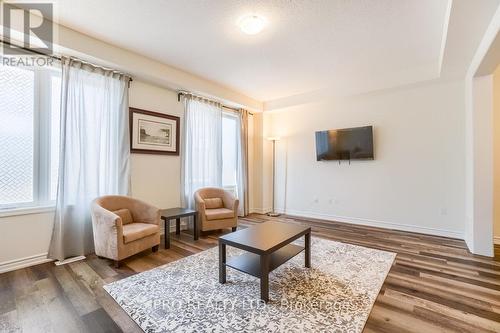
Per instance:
(202,147)
(94,152)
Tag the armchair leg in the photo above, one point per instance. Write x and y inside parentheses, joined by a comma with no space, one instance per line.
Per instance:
(234,229)
(155,248)
(117,263)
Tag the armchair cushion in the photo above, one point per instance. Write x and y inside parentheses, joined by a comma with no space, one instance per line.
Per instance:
(135,231)
(219,213)
(212,203)
(125,215)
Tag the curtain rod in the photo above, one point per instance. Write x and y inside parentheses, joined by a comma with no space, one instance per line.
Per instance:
(58,58)
(182,93)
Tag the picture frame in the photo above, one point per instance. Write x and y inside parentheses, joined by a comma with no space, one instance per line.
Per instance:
(153,132)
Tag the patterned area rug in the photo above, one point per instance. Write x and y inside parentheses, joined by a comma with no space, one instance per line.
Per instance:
(335,295)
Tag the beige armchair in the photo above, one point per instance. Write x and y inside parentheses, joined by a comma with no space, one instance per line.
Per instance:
(124,226)
(217,209)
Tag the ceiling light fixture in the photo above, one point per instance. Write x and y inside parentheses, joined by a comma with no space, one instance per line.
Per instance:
(252,24)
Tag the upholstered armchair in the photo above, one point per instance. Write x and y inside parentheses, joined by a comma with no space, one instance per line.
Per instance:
(124,226)
(217,209)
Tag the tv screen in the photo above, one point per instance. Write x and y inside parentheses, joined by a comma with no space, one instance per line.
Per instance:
(345,144)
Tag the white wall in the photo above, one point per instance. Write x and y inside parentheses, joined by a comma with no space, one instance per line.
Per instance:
(258,179)
(156,178)
(24,239)
(416,181)
(496,155)
(262,165)
(478,236)
(482,99)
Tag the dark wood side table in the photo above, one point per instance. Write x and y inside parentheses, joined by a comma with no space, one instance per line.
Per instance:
(176,214)
(268,246)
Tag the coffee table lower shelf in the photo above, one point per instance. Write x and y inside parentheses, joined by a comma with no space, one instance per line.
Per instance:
(250,263)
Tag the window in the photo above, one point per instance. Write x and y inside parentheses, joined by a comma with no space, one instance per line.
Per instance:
(29,136)
(230,132)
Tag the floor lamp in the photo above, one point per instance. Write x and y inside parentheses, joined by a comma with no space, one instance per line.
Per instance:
(273,139)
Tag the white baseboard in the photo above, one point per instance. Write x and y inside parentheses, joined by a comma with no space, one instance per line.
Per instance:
(496,240)
(375,223)
(260,210)
(12,265)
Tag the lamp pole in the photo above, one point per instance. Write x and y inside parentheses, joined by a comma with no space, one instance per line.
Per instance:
(273,139)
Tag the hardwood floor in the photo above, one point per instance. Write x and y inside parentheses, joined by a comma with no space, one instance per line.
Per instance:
(435,285)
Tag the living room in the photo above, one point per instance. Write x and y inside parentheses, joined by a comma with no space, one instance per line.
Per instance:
(213,115)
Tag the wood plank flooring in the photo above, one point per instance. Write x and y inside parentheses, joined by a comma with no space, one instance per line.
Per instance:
(435,285)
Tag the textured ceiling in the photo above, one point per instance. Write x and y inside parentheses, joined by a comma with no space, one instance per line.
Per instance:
(347,45)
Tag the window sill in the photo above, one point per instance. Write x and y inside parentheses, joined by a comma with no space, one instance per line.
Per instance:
(26,210)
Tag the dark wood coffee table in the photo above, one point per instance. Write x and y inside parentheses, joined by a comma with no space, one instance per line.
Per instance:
(176,214)
(268,246)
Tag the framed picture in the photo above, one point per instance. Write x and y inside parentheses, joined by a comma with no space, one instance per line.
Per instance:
(153,133)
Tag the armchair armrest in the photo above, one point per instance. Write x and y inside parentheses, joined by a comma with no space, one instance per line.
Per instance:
(144,212)
(107,228)
(236,203)
(105,219)
(199,202)
(230,201)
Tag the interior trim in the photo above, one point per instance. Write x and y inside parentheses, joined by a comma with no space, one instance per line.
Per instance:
(26,210)
(12,265)
(375,223)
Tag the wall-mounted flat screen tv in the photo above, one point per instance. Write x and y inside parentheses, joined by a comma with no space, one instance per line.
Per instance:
(345,144)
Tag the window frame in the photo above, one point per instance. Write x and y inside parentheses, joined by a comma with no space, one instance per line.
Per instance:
(42,112)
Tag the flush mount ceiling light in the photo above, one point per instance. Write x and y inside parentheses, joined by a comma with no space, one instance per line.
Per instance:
(252,24)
